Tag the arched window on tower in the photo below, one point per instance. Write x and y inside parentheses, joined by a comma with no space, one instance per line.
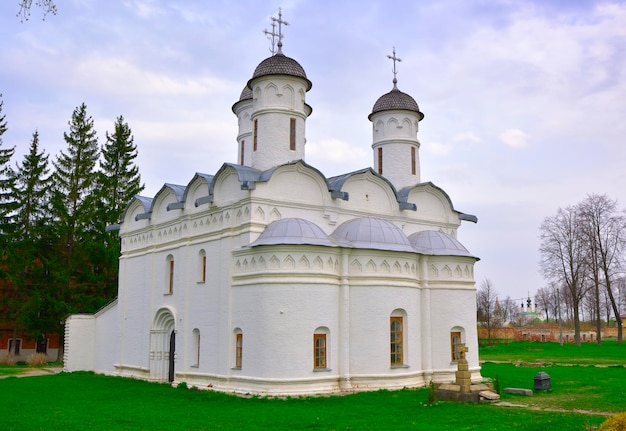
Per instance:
(241,151)
(380,160)
(413,161)
(255,134)
(292,134)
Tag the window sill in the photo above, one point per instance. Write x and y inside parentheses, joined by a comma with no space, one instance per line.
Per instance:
(200,282)
(321,370)
(399,366)
(168,294)
(195,366)
(235,368)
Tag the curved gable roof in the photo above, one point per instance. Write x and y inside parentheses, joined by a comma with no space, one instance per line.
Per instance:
(404,193)
(206,177)
(179,192)
(144,201)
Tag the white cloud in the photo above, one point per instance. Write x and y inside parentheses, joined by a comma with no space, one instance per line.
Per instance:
(514,138)
(437,148)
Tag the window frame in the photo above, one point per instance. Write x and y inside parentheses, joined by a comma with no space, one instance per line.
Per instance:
(238,350)
(255,134)
(292,134)
(455,355)
(396,341)
(320,359)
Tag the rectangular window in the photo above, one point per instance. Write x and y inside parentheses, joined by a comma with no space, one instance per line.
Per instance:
(396,338)
(254,135)
(292,134)
(380,161)
(198,348)
(171,278)
(238,350)
(413,164)
(203,268)
(455,344)
(241,150)
(319,351)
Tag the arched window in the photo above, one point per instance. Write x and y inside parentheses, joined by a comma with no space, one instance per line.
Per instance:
(457,337)
(169,280)
(320,348)
(396,333)
(292,134)
(202,266)
(238,348)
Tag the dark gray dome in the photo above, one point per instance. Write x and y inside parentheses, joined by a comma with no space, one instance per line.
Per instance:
(395,100)
(293,231)
(436,243)
(246,94)
(280,64)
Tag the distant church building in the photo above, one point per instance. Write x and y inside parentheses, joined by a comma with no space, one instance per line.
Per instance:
(270,278)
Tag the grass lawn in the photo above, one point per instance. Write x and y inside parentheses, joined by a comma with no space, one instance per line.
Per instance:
(80,401)
(609,353)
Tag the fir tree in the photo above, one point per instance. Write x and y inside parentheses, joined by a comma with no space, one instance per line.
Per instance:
(7,204)
(31,192)
(119,177)
(75,179)
(118,182)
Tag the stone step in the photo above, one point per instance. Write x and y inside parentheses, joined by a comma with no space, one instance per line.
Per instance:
(489,395)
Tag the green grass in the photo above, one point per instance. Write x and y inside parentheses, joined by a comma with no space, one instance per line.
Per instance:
(609,353)
(84,401)
(80,401)
(11,370)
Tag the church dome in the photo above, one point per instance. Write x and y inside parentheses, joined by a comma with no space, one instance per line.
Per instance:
(246,94)
(280,64)
(436,243)
(293,231)
(395,100)
(372,233)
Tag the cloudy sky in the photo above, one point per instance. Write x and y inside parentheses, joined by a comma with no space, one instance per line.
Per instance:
(525,101)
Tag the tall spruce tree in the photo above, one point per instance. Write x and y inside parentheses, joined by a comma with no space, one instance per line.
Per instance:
(119,179)
(74,204)
(118,182)
(32,258)
(75,179)
(7,203)
(31,193)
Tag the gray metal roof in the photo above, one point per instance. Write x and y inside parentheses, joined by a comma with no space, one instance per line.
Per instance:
(293,231)
(372,233)
(395,100)
(437,243)
(280,64)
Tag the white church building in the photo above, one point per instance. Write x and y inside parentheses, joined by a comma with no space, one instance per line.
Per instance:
(269,278)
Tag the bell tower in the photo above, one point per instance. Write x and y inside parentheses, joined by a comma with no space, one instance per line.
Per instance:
(395,119)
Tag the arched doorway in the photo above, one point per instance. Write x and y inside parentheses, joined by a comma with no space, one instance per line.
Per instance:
(163,346)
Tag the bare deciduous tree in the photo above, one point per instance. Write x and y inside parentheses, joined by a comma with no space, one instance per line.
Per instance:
(563,257)
(47,6)
(485,305)
(605,230)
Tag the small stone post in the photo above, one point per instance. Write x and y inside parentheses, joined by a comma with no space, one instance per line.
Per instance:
(463,375)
